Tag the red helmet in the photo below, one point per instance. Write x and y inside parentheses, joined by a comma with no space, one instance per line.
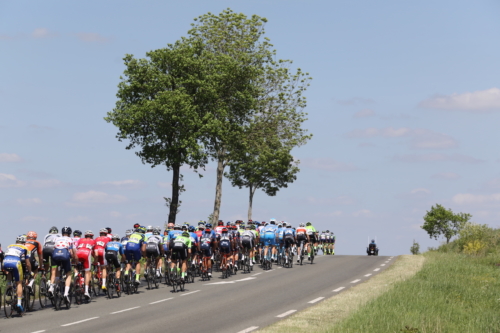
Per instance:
(137,225)
(31,235)
(207,230)
(220,223)
(224,229)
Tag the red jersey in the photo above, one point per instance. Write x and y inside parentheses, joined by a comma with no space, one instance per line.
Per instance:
(85,246)
(218,230)
(100,245)
(199,233)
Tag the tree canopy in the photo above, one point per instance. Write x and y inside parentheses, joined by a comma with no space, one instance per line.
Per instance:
(440,221)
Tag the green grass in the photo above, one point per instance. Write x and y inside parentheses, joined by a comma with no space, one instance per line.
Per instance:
(452,293)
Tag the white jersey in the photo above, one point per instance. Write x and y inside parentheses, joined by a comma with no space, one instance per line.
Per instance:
(156,239)
(51,238)
(248,233)
(63,242)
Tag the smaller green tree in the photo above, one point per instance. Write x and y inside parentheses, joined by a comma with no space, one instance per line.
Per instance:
(440,221)
(415,248)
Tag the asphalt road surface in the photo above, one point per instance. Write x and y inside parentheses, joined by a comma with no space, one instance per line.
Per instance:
(242,303)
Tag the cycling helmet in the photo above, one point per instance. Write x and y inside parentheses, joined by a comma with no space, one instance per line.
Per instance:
(308,223)
(253,226)
(224,230)
(301,225)
(288,225)
(108,229)
(128,232)
(373,240)
(21,239)
(89,233)
(137,225)
(177,227)
(272,221)
(201,226)
(103,231)
(185,233)
(31,235)
(77,233)
(142,229)
(53,230)
(285,224)
(186,224)
(220,223)
(327,231)
(66,231)
(149,228)
(280,225)
(184,227)
(201,222)
(228,223)
(156,231)
(115,237)
(191,228)
(209,226)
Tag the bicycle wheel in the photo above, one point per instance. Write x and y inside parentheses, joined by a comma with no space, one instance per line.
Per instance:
(57,297)
(26,301)
(9,300)
(70,294)
(312,256)
(147,275)
(78,294)
(42,292)
(173,279)
(34,290)
(110,286)
(127,282)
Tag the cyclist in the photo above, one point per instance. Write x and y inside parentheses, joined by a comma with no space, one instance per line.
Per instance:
(125,238)
(268,235)
(332,243)
(15,260)
(207,244)
(236,243)
(372,245)
(35,249)
(253,228)
(149,232)
(312,244)
(48,246)
(77,234)
(302,236)
(110,235)
(280,239)
(289,238)
(62,255)
(181,248)
(195,244)
(226,246)
(136,246)
(323,241)
(100,253)
(154,248)
(114,248)
(84,253)
(248,242)
(218,229)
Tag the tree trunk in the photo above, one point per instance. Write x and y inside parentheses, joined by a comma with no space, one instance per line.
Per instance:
(174,205)
(218,191)
(250,201)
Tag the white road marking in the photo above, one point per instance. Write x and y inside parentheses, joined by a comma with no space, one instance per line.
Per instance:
(250,329)
(136,307)
(316,300)
(376,269)
(367,274)
(382,265)
(163,300)
(207,284)
(192,292)
(338,289)
(38,331)
(269,270)
(246,279)
(286,313)
(78,322)
(257,274)
(280,267)
(355,281)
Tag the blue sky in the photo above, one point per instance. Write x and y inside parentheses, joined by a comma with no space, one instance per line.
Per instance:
(403,107)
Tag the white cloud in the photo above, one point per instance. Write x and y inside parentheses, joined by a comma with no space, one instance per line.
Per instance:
(78,219)
(92,37)
(128,183)
(42,33)
(459,158)
(95,197)
(477,101)
(34,219)
(340,200)
(421,138)
(29,201)
(327,164)
(362,213)
(329,215)
(10,158)
(420,191)
(7,180)
(355,100)
(164,185)
(364,113)
(446,175)
(477,199)
(46,183)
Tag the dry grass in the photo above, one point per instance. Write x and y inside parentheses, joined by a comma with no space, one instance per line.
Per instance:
(321,317)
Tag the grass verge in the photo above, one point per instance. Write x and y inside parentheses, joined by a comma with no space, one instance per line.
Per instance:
(451,293)
(323,317)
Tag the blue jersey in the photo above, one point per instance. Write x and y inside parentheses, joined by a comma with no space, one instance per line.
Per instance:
(280,233)
(268,229)
(148,234)
(194,238)
(289,232)
(114,246)
(173,233)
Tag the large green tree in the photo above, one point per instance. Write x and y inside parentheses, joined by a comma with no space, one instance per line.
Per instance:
(234,61)
(440,221)
(157,111)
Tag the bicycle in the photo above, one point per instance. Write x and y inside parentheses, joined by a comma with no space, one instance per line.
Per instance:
(95,280)
(176,278)
(129,281)
(301,254)
(58,293)
(112,283)
(150,274)
(266,262)
(288,260)
(43,290)
(79,283)
(10,299)
(245,261)
(204,269)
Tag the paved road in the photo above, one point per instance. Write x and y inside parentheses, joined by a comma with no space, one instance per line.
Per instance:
(240,303)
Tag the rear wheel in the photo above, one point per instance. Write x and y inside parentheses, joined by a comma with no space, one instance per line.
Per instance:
(33,292)
(9,299)
(42,292)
